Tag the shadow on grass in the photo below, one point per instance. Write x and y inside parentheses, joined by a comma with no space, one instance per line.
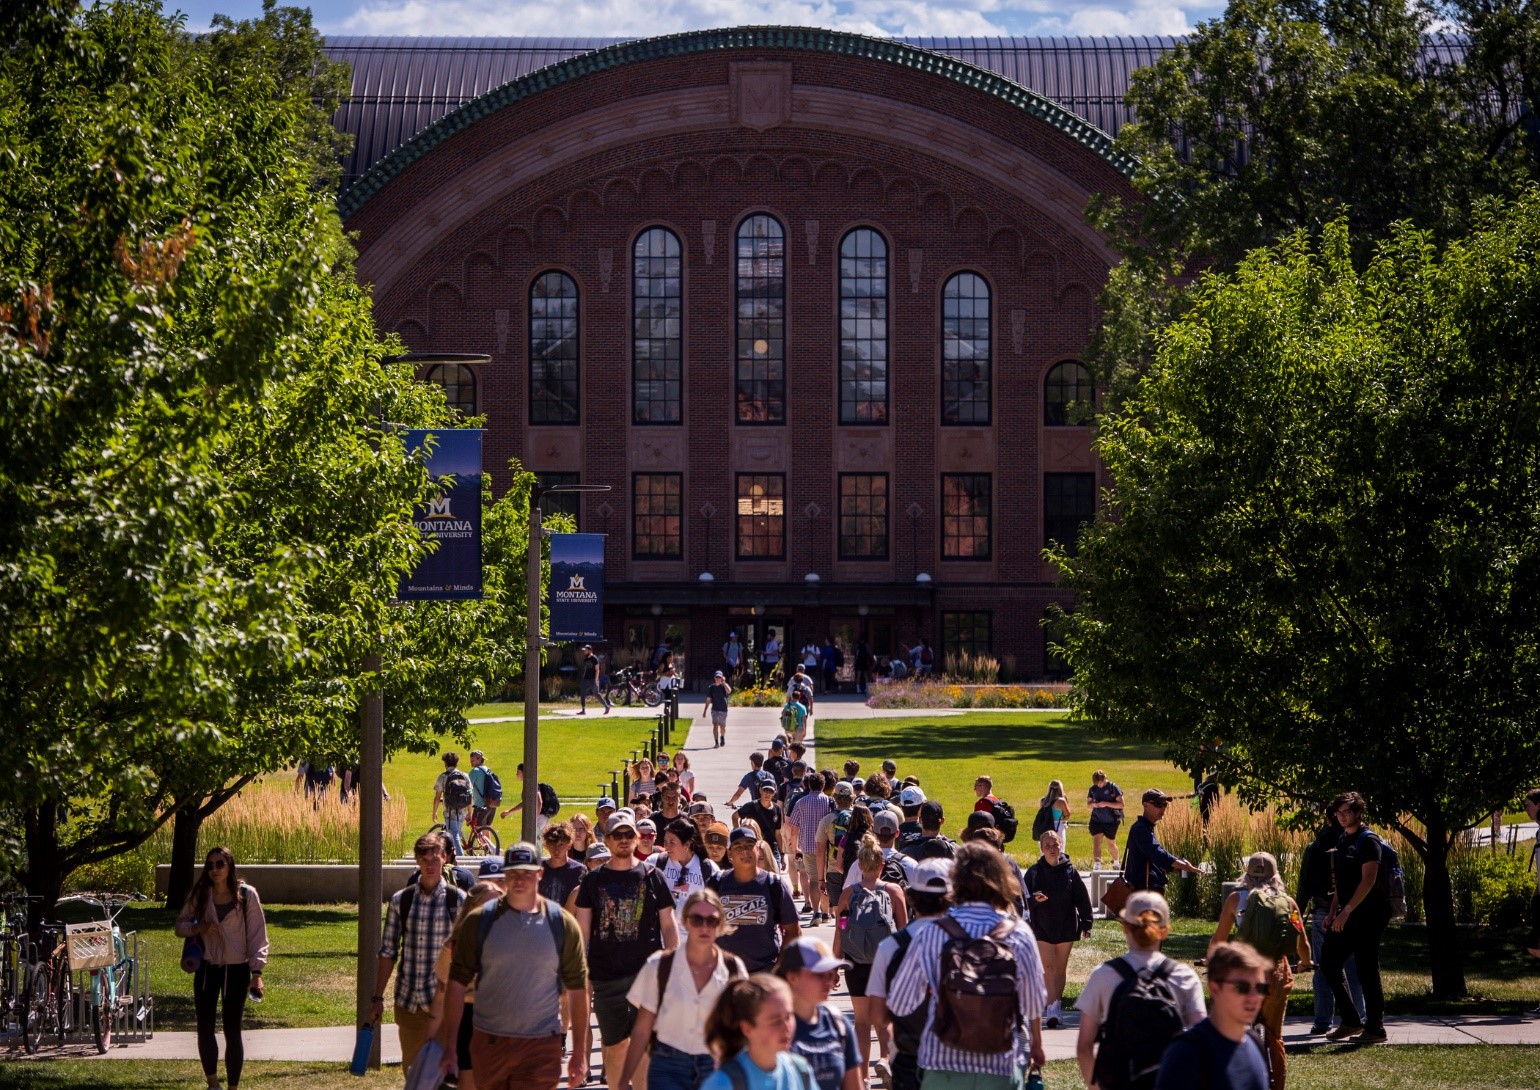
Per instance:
(1016,740)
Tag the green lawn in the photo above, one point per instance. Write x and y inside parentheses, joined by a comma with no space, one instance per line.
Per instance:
(182,1074)
(1022,751)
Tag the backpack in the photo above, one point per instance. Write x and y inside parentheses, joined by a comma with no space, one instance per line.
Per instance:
(1040,824)
(457,790)
(976,1008)
(1143,1017)
(927,656)
(739,1078)
(553,919)
(907,1028)
(1390,881)
(550,805)
(491,787)
(841,827)
(789,724)
(893,871)
(1006,821)
(867,921)
(1269,924)
(454,897)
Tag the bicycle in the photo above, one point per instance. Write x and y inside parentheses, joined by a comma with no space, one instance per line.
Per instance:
(50,990)
(112,986)
(13,984)
(477,839)
(632,683)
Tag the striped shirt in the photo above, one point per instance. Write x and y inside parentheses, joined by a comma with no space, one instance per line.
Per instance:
(415,943)
(918,977)
(805,815)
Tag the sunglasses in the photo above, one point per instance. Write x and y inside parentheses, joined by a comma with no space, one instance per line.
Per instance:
(1245,987)
(697,920)
(1160,805)
(619,835)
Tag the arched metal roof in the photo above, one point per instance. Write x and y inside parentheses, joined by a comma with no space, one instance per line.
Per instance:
(404,87)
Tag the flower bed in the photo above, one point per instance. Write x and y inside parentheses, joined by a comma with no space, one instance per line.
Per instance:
(942,693)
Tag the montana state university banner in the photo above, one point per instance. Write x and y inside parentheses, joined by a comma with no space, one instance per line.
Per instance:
(577,587)
(452,519)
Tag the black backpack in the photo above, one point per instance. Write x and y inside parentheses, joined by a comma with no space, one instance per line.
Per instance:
(550,804)
(893,871)
(1041,823)
(1143,1017)
(457,790)
(907,1028)
(1005,819)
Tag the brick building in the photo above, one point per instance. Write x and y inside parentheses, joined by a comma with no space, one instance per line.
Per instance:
(810,303)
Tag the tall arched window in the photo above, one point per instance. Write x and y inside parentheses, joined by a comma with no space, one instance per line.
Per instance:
(1068,384)
(761,332)
(553,349)
(657,328)
(863,328)
(965,361)
(459,383)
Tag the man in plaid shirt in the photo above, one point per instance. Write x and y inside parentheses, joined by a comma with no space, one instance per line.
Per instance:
(418,922)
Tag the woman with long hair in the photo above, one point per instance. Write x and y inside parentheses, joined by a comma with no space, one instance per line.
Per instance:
(688,865)
(861,823)
(751,1026)
(226,916)
(1059,907)
(643,781)
(479,894)
(686,776)
(674,996)
(868,912)
(583,836)
(823,1037)
(1057,803)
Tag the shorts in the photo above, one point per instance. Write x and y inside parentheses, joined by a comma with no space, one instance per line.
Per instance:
(718,719)
(463,1045)
(611,1010)
(834,884)
(856,978)
(1099,827)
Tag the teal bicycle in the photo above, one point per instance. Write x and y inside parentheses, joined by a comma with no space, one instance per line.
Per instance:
(101,951)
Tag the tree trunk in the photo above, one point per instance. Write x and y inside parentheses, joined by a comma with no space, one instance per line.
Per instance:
(44,876)
(184,853)
(1443,938)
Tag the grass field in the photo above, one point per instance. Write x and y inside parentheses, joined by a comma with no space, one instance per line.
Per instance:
(1317,1067)
(1022,751)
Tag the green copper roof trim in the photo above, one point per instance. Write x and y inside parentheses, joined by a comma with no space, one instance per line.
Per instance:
(703,41)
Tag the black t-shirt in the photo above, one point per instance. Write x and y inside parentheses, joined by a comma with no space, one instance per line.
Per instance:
(1348,862)
(930,847)
(557,883)
(779,767)
(626,927)
(591,668)
(718,694)
(756,908)
(769,821)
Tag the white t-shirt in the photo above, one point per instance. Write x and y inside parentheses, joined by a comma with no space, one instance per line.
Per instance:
(683,881)
(1104,980)
(854,877)
(877,986)
(681,1021)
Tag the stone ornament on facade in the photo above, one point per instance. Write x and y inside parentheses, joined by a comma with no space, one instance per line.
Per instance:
(708,239)
(760,94)
(916,266)
(1018,329)
(606,268)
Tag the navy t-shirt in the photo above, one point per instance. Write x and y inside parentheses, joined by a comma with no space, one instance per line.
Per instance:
(827,1046)
(1107,792)
(757,908)
(1205,1059)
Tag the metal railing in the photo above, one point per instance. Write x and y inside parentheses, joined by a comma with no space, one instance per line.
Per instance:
(658,740)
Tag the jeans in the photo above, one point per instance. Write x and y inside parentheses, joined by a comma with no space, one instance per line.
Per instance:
(906,1071)
(1360,939)
(674,1069)
(210,983)
(1325,1005)
(454,825)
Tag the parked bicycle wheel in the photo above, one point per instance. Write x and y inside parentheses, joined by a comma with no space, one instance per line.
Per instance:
(64,997)
(651,696)
(102,1006)
(484,841)
(35,1017)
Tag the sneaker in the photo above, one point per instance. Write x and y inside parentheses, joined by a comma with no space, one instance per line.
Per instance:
(883,1073)
(1343,1032)
(1371,1037)
(1051,1016)
(1316,1031)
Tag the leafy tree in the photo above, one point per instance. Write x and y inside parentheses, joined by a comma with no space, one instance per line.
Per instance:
(1326,543)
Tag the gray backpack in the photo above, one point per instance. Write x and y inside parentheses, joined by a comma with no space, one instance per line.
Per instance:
(868,921)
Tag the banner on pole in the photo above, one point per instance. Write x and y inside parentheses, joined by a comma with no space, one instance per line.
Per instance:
(577,587)
(452,519)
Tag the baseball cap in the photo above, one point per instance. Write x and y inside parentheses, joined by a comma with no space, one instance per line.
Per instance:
(522,856)
(490,868)
(911,796)
(1146,900)
(701,808)
(606,803)
(719,674)
(808,956)
(621,819)
(931,813)
(885,821)
(646,826)
(889,767)
(980,819)
(778,744)
(932,876)
(1155,794)
(596,853)
(742,833)
(843,790)
(717,833)
(767,785)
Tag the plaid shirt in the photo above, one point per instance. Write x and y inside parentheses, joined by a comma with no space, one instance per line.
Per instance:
(414,944)
(809,810)
(917,980)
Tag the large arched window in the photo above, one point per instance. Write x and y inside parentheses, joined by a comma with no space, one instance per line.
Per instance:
(965,361)
(1068,385)
(553,349)
(863,328)
(459,383)
(761,330)
(657,328)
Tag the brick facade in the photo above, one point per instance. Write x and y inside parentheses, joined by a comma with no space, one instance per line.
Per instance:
(952,179)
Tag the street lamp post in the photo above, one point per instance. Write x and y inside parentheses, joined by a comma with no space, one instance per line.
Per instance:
(371,754)
(532,647)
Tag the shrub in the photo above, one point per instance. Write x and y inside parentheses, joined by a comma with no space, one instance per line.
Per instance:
(128,872)
(1490,887)
(759,696)
(968,667)
(949,694)
(1226,841)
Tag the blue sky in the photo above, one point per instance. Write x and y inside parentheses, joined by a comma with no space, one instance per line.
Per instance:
(625,19)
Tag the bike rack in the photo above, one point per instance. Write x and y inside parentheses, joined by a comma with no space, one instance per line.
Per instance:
(133,1022)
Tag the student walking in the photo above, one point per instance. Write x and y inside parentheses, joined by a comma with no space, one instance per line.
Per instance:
(927,899)
(453,790)
(807,815)
(486,790)
(1059,907)
(758,903)
(1105,801)
(716,706)
(750,1032)
(418,921)
(674,995)
(1135,1005)
(1218,1053)
(524,953)
(1146,863)
(822,1037)
(1052,811)
(560,873)
(868,912)
(975,1041)
(625,913)
(1355,925)
(226,916)
(1265,918)
(589,685)
(688,866)
(460,1042)
(1313,895)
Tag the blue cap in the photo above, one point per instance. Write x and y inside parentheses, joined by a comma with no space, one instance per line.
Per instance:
(742,833)
(606,803)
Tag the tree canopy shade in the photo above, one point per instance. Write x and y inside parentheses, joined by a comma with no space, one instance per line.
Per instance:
(1325,546)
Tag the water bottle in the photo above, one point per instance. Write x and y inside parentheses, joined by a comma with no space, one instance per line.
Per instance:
(361,1050)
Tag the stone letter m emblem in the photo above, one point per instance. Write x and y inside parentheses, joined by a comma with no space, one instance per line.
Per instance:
(761,95)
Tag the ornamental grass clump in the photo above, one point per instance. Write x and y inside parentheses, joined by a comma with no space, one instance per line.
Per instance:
(1181,831)
(1228,825)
